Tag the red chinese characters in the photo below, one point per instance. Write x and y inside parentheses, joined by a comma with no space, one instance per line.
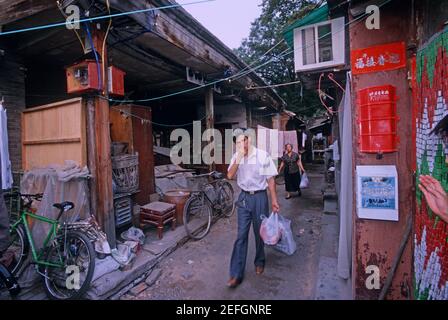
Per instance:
(379,58)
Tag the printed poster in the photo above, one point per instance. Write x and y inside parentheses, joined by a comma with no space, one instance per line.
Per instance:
(377,192)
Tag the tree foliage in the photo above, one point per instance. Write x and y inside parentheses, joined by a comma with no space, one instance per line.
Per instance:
(266,32)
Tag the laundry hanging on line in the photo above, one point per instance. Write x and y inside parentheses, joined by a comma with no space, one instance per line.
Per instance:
(273,140)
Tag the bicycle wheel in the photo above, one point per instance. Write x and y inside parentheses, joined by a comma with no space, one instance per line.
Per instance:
(197,217)
(227,202)
(72,280)
(280,180)
(19,248)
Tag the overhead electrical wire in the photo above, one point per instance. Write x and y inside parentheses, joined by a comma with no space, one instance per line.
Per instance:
(191,89)
(275,85)
(74,29)
(243,73)
(264,54)
(95,53)
(284,53)
(147,121)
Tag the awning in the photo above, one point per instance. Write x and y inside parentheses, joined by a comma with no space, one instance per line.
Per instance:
(318,15)
(318,123)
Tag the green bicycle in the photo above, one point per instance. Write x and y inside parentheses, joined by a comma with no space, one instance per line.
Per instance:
(66,260)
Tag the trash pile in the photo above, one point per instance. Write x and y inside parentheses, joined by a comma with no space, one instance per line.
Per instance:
(127,250)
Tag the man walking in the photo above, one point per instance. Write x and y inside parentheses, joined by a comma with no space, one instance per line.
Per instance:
(255,172)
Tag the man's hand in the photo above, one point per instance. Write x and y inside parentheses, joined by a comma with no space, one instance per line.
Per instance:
(275,206)
(239,157)
(435,196)
(234,167)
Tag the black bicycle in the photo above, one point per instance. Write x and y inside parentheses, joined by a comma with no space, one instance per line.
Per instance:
(215,198)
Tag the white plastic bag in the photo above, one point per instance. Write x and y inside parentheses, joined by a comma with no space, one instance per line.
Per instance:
(134,234)
(270,229)
(287,244)
(304,182)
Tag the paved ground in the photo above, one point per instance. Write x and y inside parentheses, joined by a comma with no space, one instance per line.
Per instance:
(199,270)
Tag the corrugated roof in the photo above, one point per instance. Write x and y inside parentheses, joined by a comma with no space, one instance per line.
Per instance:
(318,15)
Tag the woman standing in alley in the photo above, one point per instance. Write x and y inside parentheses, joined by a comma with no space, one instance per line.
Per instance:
(292,163)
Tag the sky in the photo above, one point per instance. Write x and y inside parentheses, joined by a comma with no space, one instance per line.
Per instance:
(229,20)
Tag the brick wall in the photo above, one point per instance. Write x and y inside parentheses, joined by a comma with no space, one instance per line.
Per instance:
(12,88)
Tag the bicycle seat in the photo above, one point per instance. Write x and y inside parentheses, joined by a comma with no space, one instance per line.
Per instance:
(64,206)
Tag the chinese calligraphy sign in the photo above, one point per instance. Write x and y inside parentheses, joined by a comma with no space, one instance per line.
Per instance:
(379,58)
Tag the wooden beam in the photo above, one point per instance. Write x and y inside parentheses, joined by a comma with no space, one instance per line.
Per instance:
(173,32)
(105,205)
(91,158)
(13,10)
(38,38)
(136,53)
(249,116)
(210,116)
(100,164)
(52,141)
(190,43)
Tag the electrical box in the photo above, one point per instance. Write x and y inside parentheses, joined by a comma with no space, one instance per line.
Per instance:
(116,81)
(83,77)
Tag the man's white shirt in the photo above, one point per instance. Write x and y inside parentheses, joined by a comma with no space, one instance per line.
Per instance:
(254,170)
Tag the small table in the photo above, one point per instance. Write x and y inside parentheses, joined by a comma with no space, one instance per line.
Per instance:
(158,214)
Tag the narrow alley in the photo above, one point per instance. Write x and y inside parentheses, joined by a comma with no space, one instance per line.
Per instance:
(130,130)
(199,269)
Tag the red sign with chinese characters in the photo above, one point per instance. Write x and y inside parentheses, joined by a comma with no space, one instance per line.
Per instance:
(379,58)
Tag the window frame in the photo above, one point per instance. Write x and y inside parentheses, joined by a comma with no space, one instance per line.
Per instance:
(337,42)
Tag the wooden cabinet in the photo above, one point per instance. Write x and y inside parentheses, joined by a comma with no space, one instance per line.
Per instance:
(127,126)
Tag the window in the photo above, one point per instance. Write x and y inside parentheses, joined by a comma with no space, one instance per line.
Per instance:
(309,47)
(320,45)
(325,44)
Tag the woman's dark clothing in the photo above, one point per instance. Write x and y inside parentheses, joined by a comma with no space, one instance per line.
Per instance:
(292,172)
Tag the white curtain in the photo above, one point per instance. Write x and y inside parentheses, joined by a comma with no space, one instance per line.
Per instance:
(346,187)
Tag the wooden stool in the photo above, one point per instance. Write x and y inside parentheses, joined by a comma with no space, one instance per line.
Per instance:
(158,214)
